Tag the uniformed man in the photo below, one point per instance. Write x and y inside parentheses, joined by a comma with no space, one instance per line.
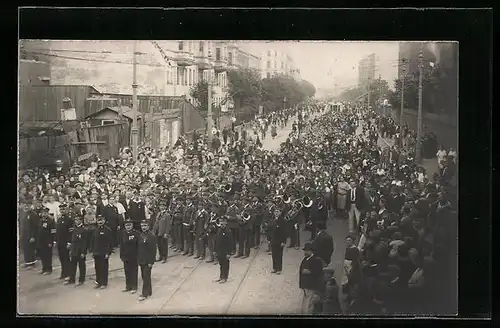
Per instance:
(146,256)
(102,242)
(232,224)
(178,231)
(28,229)
(278,239)
(187,227)
(223,248)
(211,234)
(161,229)
(129,245)
(64,228)
(257,219)
(45,239)
(244,235)
(78,246)
(201,221)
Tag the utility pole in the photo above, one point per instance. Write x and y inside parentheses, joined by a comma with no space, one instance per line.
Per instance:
(401,112)
(134,130)
(209,100)
(369,80)
(419,118)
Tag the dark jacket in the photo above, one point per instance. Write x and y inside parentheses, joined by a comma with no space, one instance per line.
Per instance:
(129,245)
(360,199)
(110,213)
(79,241)
(63,230)
(46,232)
(146,253)
(102,241)
(323,246)
(28,225)
(313,280)
(223,242)
(278,235)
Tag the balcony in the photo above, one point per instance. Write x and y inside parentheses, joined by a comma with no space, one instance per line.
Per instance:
(220,65)
(184,58)
(203,62)
(232,65)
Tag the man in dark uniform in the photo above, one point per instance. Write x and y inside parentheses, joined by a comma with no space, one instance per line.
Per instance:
(129,245)
(101,250)
(233,225)
(223,248)
(187,227)
(113,220)
(212,234)
(294,228)
(201,220)
(256,221)
(319,217)
(28,229)
(45,239)
(244,235)
(179,236)
(278,239)
(323,244)
(146,256)
(64,227)
(78,247)
(161,229)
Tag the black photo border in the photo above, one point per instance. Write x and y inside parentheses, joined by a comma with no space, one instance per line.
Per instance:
(472,28)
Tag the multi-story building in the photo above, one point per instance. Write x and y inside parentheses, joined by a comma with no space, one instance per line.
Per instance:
(274,62)
(366,70)
(169,68)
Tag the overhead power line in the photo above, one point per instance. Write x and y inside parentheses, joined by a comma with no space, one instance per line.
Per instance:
(92,60)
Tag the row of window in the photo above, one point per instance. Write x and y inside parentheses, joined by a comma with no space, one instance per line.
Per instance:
(188,46)
(191,77)
(275,64)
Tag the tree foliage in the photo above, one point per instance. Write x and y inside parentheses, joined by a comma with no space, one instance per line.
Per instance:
(249,91)
(199,92)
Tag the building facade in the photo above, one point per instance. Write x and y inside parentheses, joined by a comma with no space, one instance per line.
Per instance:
(366,69)
(274,62)
(164,68)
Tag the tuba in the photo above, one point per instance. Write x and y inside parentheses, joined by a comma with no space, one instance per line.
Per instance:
(307,202)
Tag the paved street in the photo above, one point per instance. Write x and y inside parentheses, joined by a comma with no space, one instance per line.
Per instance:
(184,285)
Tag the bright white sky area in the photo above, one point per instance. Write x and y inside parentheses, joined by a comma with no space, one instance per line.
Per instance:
(326,63)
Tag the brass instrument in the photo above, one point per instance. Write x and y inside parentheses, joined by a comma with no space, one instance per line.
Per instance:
(227,187)
(278,199)
(307,202)
(298,204)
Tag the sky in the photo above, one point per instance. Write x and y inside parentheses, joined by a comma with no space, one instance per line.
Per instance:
(326,63)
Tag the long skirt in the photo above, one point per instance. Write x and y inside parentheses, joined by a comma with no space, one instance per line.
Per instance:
(341,201)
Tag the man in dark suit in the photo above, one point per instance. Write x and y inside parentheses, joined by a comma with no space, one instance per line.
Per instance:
(278,239)
(223,248)
(311,280)
(323,245)
(355,203)
(136,211)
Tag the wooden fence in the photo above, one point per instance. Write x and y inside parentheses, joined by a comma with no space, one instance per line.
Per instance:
(41,151)
(105,140)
